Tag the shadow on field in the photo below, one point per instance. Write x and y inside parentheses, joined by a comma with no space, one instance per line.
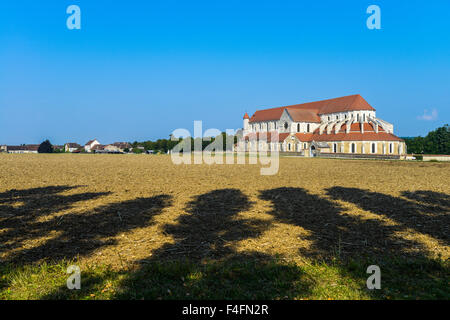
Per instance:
(357,243)
(27,215)
(203,262)
(428,213)
(439,200)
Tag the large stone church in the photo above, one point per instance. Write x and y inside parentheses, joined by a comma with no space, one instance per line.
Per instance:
(341,126)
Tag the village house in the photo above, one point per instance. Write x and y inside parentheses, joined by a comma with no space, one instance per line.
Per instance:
(26,148)
(90,144)
(98,148)
(71,147)
(118,147)
(345,126)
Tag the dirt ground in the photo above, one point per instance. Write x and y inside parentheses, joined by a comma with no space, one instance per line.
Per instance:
(121,209)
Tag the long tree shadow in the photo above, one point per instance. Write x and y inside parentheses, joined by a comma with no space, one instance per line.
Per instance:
(21,209)
(336,234)
(428,214)
(332,232)
(211,226)
(438,200)
(76,234)
(203,261)
(14,195)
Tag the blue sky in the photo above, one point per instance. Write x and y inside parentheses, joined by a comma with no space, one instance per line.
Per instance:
(137,70)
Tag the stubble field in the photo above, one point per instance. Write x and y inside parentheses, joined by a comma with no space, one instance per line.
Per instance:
(138,221)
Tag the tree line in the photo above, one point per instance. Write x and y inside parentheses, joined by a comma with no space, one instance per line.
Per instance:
(164,145)
(435,142)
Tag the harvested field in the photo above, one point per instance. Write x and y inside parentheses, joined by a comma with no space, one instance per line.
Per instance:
(126,211)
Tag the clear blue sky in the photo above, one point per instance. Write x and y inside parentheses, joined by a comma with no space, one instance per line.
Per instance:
(137,70)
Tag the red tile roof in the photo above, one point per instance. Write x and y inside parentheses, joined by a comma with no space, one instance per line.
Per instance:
(305,137)
(301,115)
(356,136)
(357,127)
(89,142)
(341,104)
(246,116)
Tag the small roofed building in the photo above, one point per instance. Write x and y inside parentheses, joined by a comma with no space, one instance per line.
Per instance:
(345,126)
(98,148)
(26,148)
(118,147)
(72,147)
(90,144)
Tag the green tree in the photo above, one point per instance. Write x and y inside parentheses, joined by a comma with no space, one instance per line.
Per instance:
(45,147)
(436,142)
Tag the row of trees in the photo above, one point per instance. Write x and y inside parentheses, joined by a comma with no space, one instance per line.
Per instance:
(435,142)
(163,145)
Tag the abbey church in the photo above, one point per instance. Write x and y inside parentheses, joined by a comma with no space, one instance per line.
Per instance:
(341,126)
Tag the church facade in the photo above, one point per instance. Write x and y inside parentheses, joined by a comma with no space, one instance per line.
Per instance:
(340,126)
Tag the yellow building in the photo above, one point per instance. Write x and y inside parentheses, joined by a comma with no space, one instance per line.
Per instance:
(345,126)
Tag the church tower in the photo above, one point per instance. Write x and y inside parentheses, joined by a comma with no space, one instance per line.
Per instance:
(246,120)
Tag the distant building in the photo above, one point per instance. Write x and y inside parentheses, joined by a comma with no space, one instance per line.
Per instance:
(71,147)
(98,148)
(90,144)
(118,147)
(27,148)
(342,126)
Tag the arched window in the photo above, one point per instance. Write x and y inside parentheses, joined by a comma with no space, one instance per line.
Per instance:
(364,117)
(390,147)
(289,147)
(353,148)
(357,117)
(373,148)
(307,127)
(298,127)
(334,147)
(286,126)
